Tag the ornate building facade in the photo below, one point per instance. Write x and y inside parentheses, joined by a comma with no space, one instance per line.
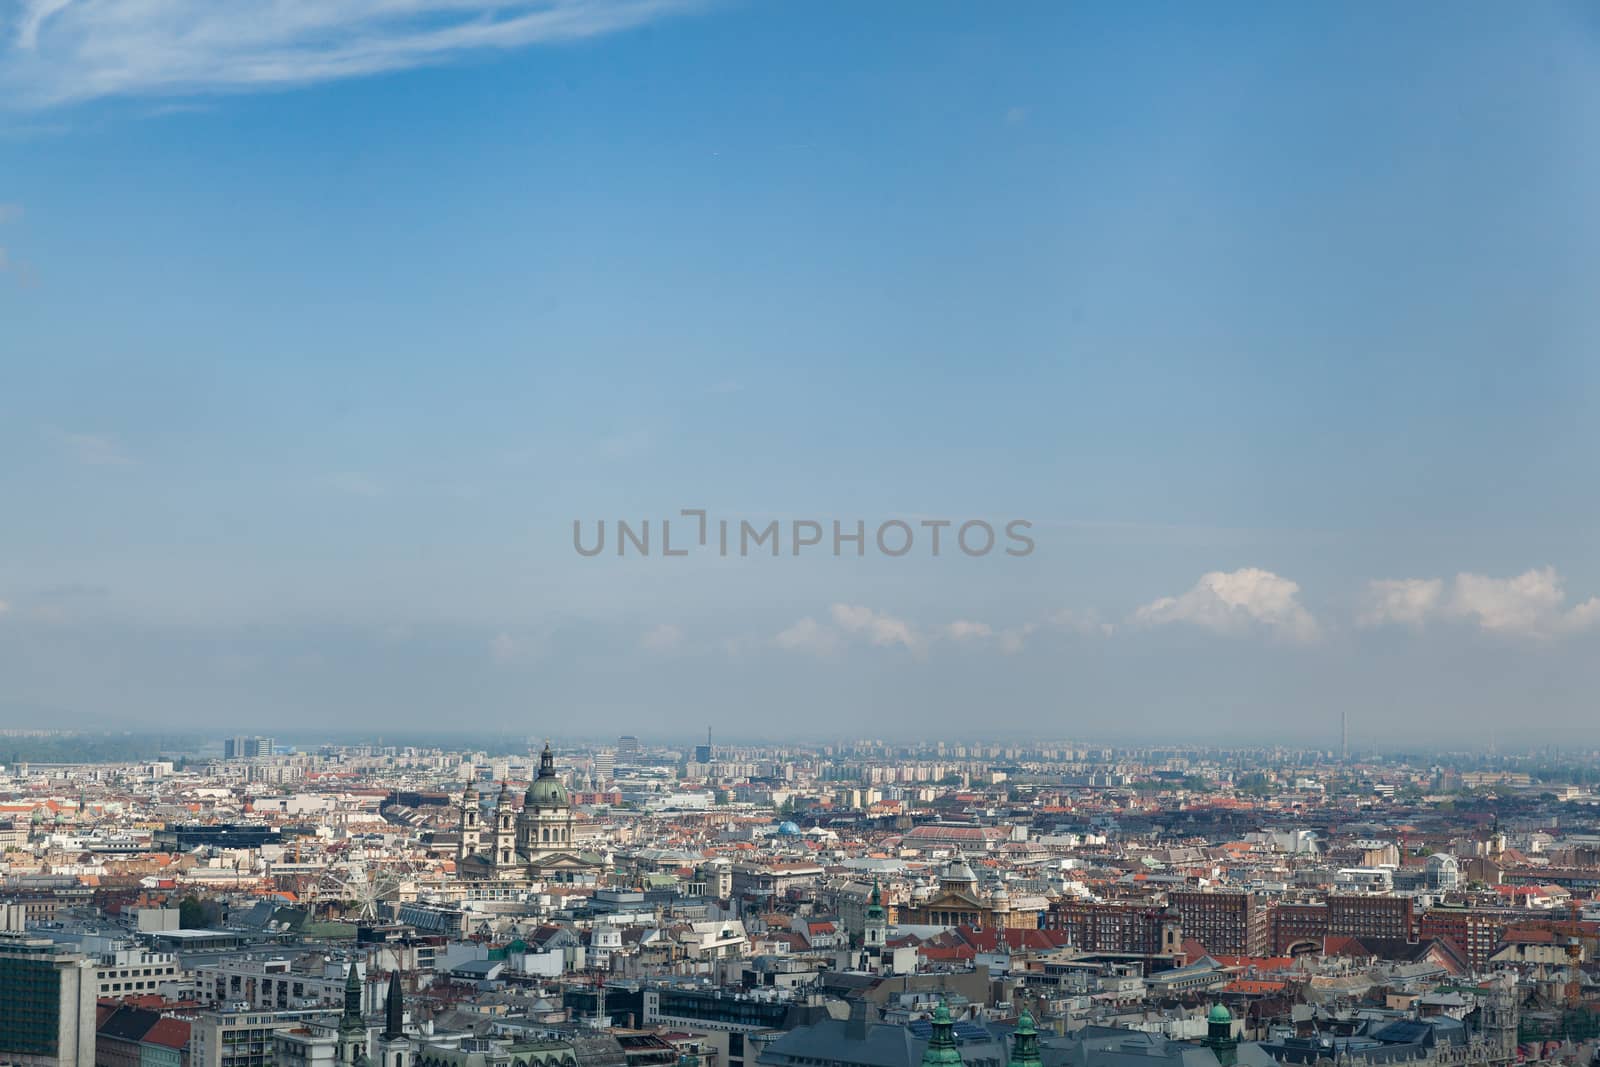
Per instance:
(958,901)
(533,843)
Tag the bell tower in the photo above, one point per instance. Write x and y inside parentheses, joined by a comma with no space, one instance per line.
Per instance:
(392,1047)
(352,1037)
(1025,1043)
(505,829)
(874,931)
(471,823)
(1171,927)
(1500,1019)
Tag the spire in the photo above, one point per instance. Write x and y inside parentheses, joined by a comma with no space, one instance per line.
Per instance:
(547,762)
(351,1019)
(875,913)
(394,1009)
(941,1050)
(1025,1043)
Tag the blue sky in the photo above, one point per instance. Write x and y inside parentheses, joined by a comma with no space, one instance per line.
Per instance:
(317,332)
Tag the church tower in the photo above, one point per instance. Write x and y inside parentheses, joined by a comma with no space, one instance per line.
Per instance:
(1000,907)
(1025,1043)
(1172,932)
(393,1048)
(875,931)
(505,829)
(942,1050)
(1501,1019)
(352,1038)
(471,824)
(1219,1035)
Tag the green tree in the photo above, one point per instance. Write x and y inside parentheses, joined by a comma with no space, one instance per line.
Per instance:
(191,914)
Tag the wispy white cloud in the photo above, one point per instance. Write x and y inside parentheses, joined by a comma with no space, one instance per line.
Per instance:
(875,627)
(503,648)
(180,108)
(353,483)
(663,638)
(92,449)
(847,623)
(1401,600)
(963,630)
(1522,604)
(809,635)
(1009,640)
(625,445)
(1082,622)
(858,623)
(62,51)
(1233,602)
(1531,604)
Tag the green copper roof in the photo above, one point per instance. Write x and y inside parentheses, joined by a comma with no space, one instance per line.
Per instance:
(941,1050)
(1219,1013)
(1025,1043)
(875,906)
(546,791)
(351,1019)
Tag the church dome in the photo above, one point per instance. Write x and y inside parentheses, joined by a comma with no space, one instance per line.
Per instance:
(958,871)
(546,791)
(1219,1013)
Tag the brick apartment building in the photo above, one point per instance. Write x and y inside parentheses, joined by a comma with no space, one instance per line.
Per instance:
(1370,917)
(1123,928)
(1476,933)
(1299,926)
(1226,922)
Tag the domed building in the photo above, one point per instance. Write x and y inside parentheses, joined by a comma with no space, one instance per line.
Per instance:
(545,825)
(959,902)
(532,844)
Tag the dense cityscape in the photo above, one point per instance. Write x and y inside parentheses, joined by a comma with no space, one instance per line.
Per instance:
(254,902)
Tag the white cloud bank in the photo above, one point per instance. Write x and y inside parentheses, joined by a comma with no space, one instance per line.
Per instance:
(62,51)
(1532,604)
(847,623)
(1243,602)
(1236,602)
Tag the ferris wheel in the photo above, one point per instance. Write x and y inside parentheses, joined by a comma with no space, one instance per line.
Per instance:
(362,885)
